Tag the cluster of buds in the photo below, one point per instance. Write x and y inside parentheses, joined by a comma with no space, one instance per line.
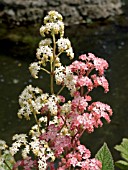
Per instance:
(55,138)
(53,26)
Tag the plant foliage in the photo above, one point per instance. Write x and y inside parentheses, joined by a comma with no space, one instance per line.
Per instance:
(104,155)
(123,149)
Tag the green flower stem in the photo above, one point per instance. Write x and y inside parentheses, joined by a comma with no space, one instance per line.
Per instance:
(63,124)
(81,133)
(52,79)
(37,122)
(53,64)
(60,90)
(7,165)
(45,70)
(59,54)
(54,48)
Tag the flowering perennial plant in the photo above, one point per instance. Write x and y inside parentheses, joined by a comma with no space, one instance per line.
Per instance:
(54,141)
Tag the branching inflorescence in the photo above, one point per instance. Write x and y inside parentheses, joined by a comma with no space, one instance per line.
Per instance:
(54,141)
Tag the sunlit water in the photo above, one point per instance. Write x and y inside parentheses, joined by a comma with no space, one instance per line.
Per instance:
(109,41)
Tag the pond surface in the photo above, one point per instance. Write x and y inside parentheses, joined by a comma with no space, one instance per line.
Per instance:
(108,40)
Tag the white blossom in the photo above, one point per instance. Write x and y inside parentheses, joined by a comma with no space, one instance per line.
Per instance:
(26,151)
(53,16)
(63,44)
(20,139)
(44,54)
(59,75)
(46,41)
(52,27)
(35,145)
(52,104)
(65,76)
(70,53)
(42,165)
(43,119)
(55,120)
(30,101)
(66,108)
(3,145)
(34,69)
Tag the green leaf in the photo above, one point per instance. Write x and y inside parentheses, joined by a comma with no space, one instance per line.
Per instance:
(122,164)
(123,148)
(8,161)
(105,157)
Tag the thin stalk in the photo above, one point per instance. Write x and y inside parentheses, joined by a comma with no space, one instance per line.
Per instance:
(81,133)
(62,125)
(53,64)
(7,165)
(54,48)
(34,113)
(82,91)
(51,80)
(37,122)
(59,54)
(48,119)
(45,70)
(60,90)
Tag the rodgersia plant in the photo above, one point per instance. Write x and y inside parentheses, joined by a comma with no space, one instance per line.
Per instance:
(54,141)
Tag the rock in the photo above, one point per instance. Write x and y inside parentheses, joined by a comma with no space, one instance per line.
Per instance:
(10,13)
(74,11)
(73,2)
(53,3)
(70,14)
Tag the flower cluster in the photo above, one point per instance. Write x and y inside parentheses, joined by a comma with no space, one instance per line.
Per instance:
(78,74)
(54,141)
(53,26)
(80,159)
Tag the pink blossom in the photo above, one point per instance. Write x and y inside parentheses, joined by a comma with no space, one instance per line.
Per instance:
(88,98)
(61,143)
(61,168)
(91,56)
(51,165)
(62,98)
(79,103)
(100,81)
(87,154)
(78,67)
(51,134)
(84,81)
(27,164)
(95,164)
(85,165)
(44,109)
(80,159)
(99,109)
(83,57)
(83,150)
(88,122)
(72,161)
(100,65)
